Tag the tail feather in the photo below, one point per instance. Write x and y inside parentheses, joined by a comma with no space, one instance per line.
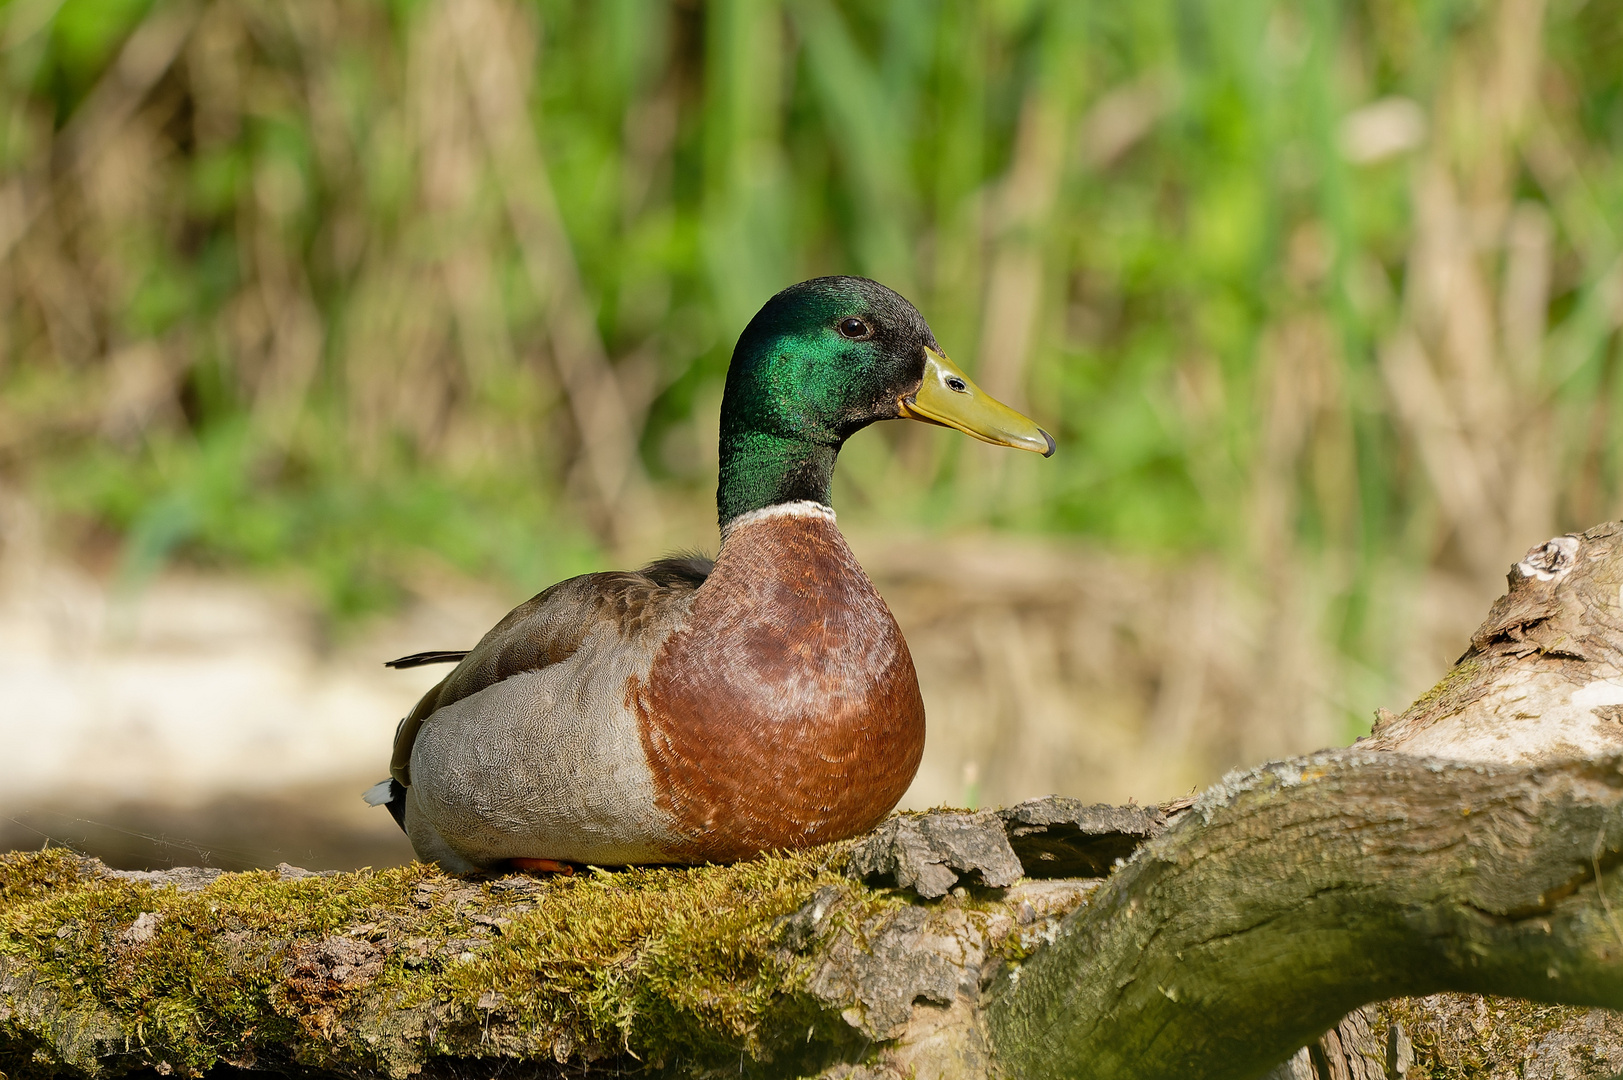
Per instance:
(438,656)
(392,794)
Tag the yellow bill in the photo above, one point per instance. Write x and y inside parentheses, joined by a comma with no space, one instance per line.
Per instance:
(947,397)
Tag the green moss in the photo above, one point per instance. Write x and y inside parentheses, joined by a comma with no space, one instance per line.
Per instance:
(373,969)
(190,991)
(656,959)
(1458,677)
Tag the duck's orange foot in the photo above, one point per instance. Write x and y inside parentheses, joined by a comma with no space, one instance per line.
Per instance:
(542,866)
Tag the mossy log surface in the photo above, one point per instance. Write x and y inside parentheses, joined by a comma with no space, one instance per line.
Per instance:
(1279,901)
(384,972)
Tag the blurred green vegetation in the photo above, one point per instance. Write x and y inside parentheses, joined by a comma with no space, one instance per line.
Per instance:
(331,285)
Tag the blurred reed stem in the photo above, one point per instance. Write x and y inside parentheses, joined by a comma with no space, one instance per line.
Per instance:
(1329,289)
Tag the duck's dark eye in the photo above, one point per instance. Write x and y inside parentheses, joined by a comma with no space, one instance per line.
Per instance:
(854,328)
(957,385)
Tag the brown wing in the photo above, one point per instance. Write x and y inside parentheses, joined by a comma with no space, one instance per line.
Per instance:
(550,627)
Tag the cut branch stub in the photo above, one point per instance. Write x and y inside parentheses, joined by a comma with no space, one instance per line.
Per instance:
(1304,889)
(1543,677)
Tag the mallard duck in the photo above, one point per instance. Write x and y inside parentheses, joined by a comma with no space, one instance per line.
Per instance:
(695,710)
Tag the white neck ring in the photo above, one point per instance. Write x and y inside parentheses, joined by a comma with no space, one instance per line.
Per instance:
(799,508)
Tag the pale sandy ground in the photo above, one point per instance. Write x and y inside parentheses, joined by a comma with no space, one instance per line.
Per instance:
(209,718)
(200,690)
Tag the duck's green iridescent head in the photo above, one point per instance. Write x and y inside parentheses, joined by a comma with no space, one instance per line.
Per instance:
(823,360)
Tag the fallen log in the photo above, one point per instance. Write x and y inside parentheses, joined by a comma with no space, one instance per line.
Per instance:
(1281,899)
(1227,934)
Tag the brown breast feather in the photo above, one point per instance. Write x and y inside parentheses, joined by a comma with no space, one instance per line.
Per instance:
(786,711)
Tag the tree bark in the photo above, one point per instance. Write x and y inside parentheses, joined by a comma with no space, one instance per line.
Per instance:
(1307,888)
